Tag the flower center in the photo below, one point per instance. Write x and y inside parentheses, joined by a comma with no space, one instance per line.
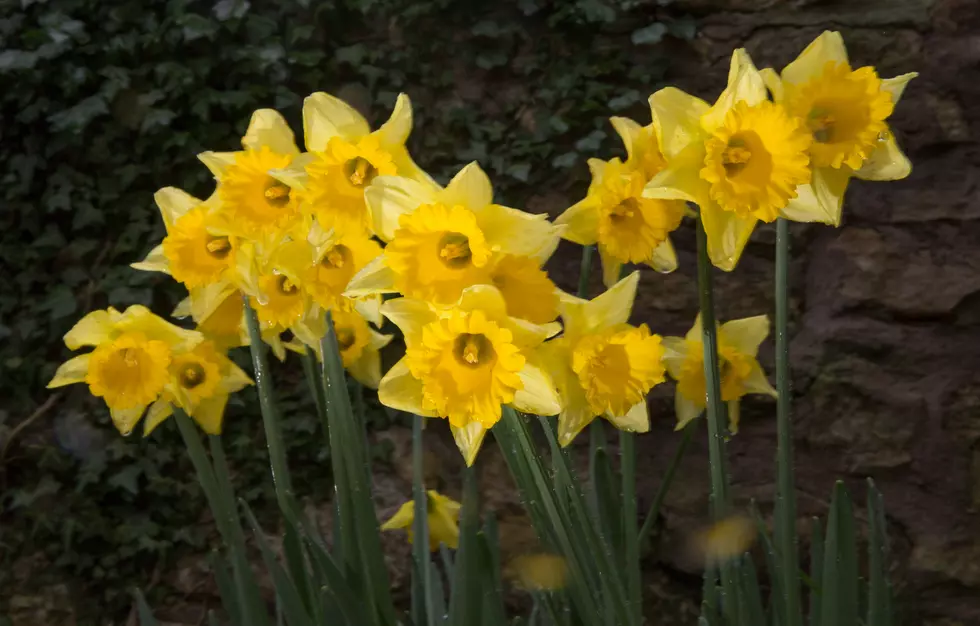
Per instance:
(736,156)
(276,194)
(473,350)
(336,257)
(192,375)
(624,210)
(286,286)
(345,338)
(821,123)
(360,172)
(454,250)
(218,247)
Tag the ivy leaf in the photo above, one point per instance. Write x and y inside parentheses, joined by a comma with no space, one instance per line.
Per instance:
(651,34)
(79,116)
(229,9)
(520,171)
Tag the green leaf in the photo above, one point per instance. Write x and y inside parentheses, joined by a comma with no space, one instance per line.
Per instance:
(750,597)
(839,587)
(143,609)
(816,570)
(651,34)
(879,591)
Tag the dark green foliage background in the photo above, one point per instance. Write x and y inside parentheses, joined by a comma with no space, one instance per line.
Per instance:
(103,102)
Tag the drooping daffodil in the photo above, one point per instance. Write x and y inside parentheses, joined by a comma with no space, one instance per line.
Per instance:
(463,362)
(442,520)
(845,111)
(740,160)
(741,374)
(601,365)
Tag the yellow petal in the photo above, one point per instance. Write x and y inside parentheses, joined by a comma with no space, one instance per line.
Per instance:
(734,415)
(681,180)
(887,162)
(268,128)
(696,331)
(628,130)
(370,309)
(676,119)
(685,409)
(636,420)
(390,197)
(155,261)
(174,202)
(407,167)
(745,84)
(367,368)
(573,419)
(124,420)
(664,258)
(217,162)
(611,268)
(727,234)
(747,334)
(486,298)
(539,396)
(210,412)
(374,278)
(294,175)
(468,440)
(896,86)
(92,329)
(517,232)
(829,46)
(757,382)
(409,315)
(675,353)
(401,391)
(71,371)
(399,125)
(821,200)
(469,188)
(773,83)
(325,116)
(159,411)
(581,222)
(402,518)
(608,309)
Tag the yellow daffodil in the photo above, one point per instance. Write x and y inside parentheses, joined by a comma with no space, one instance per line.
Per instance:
(529,293)
(642,149)
(740,160)
(464,362)
(201,380)
(538,572)
(441,241)
(738,345)
(254,204)
(602,365)
(194,252)
(359,344)
(129,366)
(628,227)
(443,520)
(845,111)
(345,157)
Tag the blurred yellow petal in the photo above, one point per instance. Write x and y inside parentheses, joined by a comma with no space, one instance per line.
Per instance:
(681,180)
(92,329)
(628,130)
(407,166)
(486,298)
(401,391)
(727,234)
(747,334)
(675,353)
(469,188)
(390,197)
(636,420)
(745,84)
(174,202)
(402,518)
(539,396)
(374,278)
(469,439)
(734,408)
(756,382)
(608,309)
(268,128)
(539,572)
(217,162)
(896,86)
(367,368)
(325,116)
(581,221)
(294,175)
(71,371)
(158,412)
(409,315)
(677,119)
(773,83)
(664,259)
(399,125)
(210,412)
(155,261)
(887,162)
(611,268)
(685,409)
(125,419)
(370,309)
(827,47)
(726,539)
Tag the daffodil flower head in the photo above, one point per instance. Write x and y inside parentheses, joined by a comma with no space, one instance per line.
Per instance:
(845,111)
(129,365)
(194,252)
(525,287)
(740,160)
(442,520)
(344,159)
(463,362)
(253,203)
(200,382)
(443,240)
(281,301)
(642,148)
(741,374)
(603,366)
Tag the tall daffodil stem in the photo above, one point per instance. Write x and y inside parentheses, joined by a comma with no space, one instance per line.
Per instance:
(267,403)
(627,450)
(720,496)
(785,530)
(420,528)
(668,478)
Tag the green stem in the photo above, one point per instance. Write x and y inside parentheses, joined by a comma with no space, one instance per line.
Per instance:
(720,497)
(267,403)
(420,526)
(627,445)
(668,479)
(585,271)
(310,372)
(785,530)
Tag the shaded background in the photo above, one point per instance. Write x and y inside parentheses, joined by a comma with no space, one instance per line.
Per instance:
(104,102)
